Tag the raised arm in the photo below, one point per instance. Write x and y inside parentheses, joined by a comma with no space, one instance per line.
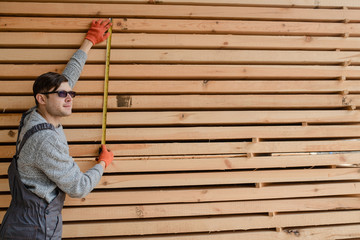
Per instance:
(96,34)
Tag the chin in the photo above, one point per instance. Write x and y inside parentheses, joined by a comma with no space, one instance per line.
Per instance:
(67,113)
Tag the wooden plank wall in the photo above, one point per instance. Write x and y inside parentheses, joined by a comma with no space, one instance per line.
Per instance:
(230,119)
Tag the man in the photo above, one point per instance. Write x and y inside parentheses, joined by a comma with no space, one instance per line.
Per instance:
(42,170)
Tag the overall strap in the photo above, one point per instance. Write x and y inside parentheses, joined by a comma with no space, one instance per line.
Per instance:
(21,125)
(31,131)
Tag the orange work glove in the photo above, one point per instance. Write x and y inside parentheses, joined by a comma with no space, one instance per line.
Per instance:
(106,155)
(97,32)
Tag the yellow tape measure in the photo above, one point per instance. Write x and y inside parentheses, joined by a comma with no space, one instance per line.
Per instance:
(106,86)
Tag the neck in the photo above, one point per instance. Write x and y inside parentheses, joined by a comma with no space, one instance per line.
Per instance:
(55,121)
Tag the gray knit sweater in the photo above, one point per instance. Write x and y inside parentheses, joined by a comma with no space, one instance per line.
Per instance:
(44,162)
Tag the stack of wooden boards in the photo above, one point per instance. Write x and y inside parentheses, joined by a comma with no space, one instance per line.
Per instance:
(230,119)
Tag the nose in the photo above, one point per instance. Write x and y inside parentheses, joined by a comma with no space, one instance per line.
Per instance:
(68,98)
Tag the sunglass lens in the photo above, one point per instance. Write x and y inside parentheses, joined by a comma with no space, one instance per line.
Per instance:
(62,94)
(72,94)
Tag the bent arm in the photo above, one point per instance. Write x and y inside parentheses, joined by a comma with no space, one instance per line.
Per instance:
(61,169)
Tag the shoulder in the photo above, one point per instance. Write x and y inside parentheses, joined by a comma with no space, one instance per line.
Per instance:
(42,140)
(50,138)
(32,118)
(48,148)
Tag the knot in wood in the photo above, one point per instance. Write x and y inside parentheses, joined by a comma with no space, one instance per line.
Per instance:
(293,232)
(11,133)
(346,101)
(139,212)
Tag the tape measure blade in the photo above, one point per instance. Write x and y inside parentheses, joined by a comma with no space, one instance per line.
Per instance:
(106,88)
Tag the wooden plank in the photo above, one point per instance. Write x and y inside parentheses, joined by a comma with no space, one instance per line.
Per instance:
(10,55)
(313,233)
(208,72)
(7,151)
(193,41)
(174,11)
(225,86)
(235,27)
(183,26)
(228,117)
(4,168)
(32,71)
(201,163)
(10,119)
(29,24)
(199,118)
(191,102)
(158,87)
(41,39)
(4,185)
(278,3)
(198,163)
(207,194)
(206,133)
(222,56)
(212,41)
(213,148)
(14,55)
(8,136)
(274,3)
(16,87)
(155,149)
(219,178)
(224,101)
(216,208)
(201,133)
(210,224)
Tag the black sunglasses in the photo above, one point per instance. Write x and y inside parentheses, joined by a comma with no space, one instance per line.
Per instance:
(62,93)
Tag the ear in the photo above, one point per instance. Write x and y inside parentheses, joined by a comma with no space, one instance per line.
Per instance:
(41,98)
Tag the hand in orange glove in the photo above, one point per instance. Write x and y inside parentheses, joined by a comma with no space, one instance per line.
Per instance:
(97,32)
(106,156)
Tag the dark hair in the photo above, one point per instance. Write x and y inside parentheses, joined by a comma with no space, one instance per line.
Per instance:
(46,82)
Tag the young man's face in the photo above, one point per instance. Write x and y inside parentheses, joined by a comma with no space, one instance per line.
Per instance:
(57,106)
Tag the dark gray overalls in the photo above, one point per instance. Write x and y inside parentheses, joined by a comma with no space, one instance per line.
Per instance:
(29,216)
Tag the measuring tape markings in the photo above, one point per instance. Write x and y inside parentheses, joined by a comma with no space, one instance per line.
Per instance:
(106,86)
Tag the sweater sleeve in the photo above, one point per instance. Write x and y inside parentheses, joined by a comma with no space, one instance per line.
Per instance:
(74,67)
(60,168)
